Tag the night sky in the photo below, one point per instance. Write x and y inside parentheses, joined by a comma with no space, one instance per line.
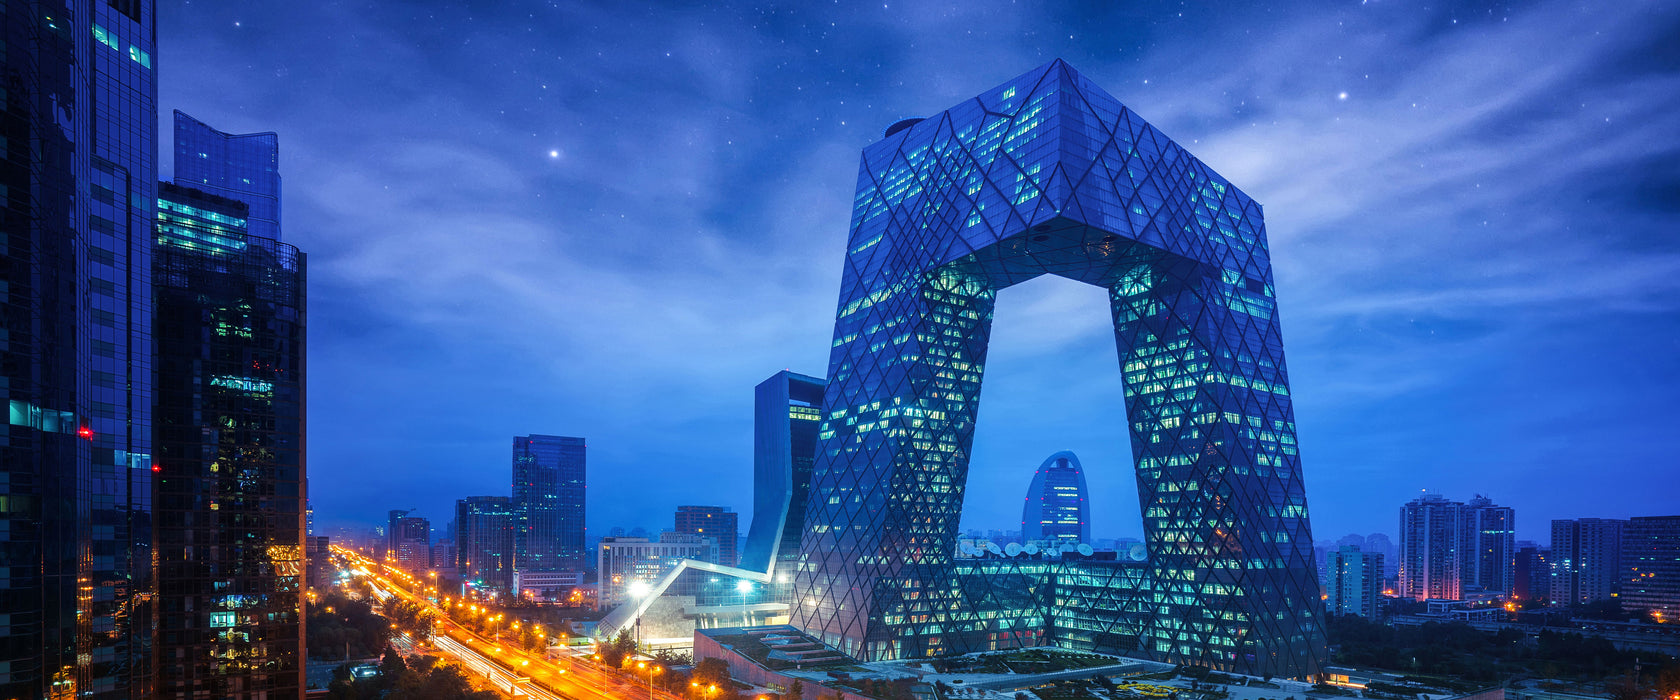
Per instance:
(613,220)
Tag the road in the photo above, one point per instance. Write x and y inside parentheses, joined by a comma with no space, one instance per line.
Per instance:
(520,672)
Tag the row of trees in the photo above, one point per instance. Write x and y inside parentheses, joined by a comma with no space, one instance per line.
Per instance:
(421,678)
(411,617)
(1461,651)
(340,627)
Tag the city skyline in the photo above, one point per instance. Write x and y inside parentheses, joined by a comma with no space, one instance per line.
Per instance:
(1437,258)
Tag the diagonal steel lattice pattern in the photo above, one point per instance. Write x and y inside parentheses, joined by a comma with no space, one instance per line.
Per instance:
(1048,174)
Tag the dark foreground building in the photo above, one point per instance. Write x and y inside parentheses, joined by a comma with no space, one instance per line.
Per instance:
(1057,510)
(78,162)
(1048,174)
(230,482)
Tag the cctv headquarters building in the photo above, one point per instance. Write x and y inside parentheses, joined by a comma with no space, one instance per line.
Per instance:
(1049,174)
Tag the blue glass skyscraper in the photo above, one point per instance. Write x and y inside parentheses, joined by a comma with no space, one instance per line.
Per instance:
(78,164)
(786,412)
(230,481)
(1057,510)
(1048,174)
(242,167)
(550,476)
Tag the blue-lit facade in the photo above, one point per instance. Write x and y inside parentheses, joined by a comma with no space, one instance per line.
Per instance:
(230,473)
(242,167)
(78,163)
(787,411)
(549,483)
(1048,174)
(484,541)
(1057,509)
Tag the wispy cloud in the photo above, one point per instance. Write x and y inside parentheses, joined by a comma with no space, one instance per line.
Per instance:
(1464,201)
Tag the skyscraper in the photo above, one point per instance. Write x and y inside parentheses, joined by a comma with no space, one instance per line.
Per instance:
(1651,557)
(243,167)
(414,543)
(78,167)
(1057,511)
(1490,546)
(549,478)
(787,409)
(484,537)
(230,484)
(1353,584)
(1049,174)
(393,520)
(715,522)
(1586,560)
(1533,580)
(1431,548)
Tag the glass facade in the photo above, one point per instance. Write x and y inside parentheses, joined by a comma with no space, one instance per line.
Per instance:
(230,468)
(549,479)
(484,537)
(786,414)
(1048,174)
(1057,511)
(244,167)
(78,163)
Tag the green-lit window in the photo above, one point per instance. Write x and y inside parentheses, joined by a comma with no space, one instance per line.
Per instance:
(106,37)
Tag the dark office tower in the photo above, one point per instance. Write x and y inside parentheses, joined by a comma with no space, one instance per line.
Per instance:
(1651,557)
(485,528)
(230,482)
(1353,582)
(1057,512)
(414,544)
(1490,546)
(1533,579)
(1048,174)
(78,164)
(1431,543)
(714,522)
(787,410)
(393,519)
(1586,560)
(549,479)
(243,167)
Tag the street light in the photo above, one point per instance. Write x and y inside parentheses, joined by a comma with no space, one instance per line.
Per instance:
(639,590)
(743,587)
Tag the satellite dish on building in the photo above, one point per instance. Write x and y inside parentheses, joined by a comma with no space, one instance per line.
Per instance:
(1138,552)
(1065,548)
(993,548)
(968,550)
(1085,549)
(1031,548)
(1012,549)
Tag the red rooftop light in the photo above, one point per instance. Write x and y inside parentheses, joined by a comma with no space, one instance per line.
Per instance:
(85,432)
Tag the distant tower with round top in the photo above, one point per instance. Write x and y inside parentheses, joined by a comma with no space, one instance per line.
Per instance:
(1057,509)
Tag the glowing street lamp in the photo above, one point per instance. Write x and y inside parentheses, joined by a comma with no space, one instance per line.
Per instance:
(743,587)
(639,590)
